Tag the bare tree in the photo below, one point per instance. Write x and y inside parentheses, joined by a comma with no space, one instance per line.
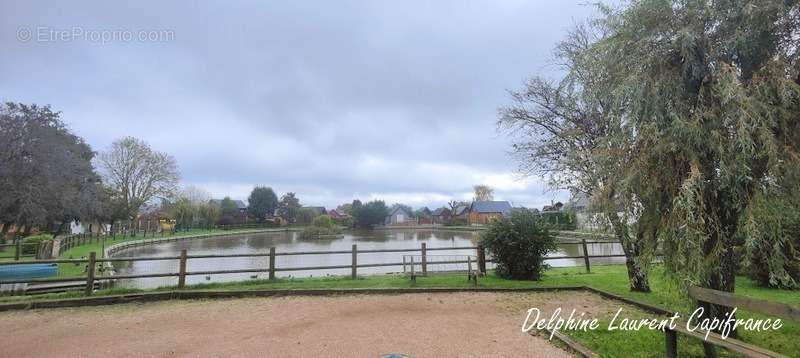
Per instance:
(194,194)
(483,193)
(137,173)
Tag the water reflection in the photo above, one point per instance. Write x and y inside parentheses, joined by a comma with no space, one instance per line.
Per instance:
(290,242)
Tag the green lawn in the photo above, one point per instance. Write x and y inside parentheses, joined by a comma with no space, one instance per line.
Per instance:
(608,278)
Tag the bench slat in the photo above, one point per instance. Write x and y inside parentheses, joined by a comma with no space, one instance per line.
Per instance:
(750,304)
(731,344)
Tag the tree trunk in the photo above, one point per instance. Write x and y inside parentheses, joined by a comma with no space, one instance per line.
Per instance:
(28,229)
(722,277)
(637,274)
(6,227)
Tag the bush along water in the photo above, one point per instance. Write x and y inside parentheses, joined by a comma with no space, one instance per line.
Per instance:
(321,227)
(519,245)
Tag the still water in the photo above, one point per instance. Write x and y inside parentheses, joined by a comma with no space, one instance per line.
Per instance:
(291,242)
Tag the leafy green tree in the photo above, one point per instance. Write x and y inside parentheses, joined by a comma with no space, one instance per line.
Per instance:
(262,203)
(288,207)
(346,208)
(46,171)
(519,245)
(228,211)
(709,93)
(209,213)
(772,247)
(305,215)
(570,132)
(354,207)
(370,214)
(184,212)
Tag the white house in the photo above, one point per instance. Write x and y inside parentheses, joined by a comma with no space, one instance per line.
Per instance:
(398,215)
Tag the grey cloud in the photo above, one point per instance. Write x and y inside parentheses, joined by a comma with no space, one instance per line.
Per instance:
(328,99)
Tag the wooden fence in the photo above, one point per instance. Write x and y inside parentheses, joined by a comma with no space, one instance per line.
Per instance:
(92,262)
(18,252)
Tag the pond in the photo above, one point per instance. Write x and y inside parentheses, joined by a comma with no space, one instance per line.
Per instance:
(260,243)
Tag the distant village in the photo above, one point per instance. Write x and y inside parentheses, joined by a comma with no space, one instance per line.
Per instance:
(227,212)
(475,213)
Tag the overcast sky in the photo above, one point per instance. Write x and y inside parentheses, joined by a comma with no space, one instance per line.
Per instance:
(334,100)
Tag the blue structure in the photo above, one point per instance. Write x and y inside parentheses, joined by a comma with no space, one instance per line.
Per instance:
(23,271)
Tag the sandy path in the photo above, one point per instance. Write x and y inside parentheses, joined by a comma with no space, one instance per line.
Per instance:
(419,325)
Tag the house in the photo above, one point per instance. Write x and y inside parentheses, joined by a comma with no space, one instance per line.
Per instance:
(552,208)
(94,227)
(482,212)
(398,215)
(150,218)
(586,217)
(460,212)
(578,202)
(239,204)
(338,215)
(424,216)
(240,218)
(440,215)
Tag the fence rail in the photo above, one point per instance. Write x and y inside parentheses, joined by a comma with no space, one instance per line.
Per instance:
(18,250)
(96,269)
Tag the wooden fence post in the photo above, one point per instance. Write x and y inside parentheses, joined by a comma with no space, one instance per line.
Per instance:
(271,263)
(585,255)
(17,249)
(413,274)
(182,270)
(424,259)
(671,340)
(481,259)
(90,273)
(469,268)
(355,262)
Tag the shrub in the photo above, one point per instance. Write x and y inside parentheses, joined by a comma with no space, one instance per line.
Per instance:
(226,220)
(518,245)
(560,220)
(31,243)
(322,221)
(457,222)
(321,226)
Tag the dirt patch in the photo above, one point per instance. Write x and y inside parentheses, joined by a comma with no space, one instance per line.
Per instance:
(419,325)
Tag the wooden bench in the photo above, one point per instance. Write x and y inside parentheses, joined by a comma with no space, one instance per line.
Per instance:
(727,299)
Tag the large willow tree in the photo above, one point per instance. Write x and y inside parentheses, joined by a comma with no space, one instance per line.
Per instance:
(570,130)
(711,92)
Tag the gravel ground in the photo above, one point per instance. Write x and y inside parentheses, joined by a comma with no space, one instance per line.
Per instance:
(418,325)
